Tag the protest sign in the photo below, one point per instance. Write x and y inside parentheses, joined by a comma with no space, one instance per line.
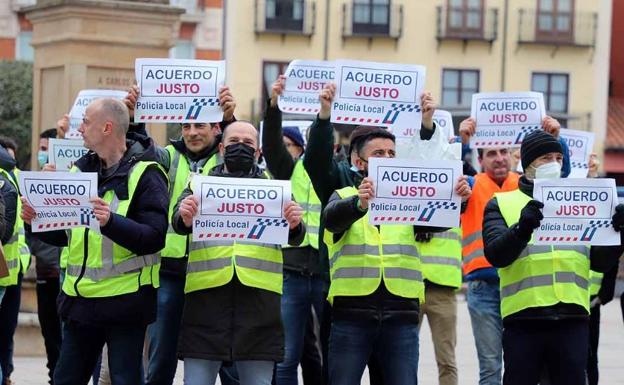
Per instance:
(414,192)
(505,118)
(378,94)
(63,153)
(304,81)
(241,209)
(576,211)
(181,91)
(580,145)
(80,105)
(60,199)
(442,119)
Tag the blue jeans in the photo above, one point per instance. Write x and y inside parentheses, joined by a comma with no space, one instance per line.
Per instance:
(204,372)
(82,346)
(163,334)
(300,294)
(487,327)
(352,343)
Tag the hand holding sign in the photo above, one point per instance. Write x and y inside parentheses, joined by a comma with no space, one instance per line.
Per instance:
(327,98)
(366,192)
(62,126)
(277,89)
(227,103)
(467,129)
(530,217)
(293,214)
(189,207)
(428,108)
(28,213)
(617,221)
(462,188)
(131,99)
(551,126)
(101,210)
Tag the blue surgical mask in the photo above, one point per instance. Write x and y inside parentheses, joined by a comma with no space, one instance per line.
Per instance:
(42,158)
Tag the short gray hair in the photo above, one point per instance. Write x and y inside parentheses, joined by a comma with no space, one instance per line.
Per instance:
(116,112)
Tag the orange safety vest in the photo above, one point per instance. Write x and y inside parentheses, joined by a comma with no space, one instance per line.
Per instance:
(472,219)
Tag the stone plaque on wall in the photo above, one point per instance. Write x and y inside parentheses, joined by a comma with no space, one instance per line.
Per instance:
(110,78)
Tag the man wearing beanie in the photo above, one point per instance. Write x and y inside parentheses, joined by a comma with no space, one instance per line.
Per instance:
(544,289)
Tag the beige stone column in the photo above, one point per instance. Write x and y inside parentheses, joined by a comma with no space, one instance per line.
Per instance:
(82,44)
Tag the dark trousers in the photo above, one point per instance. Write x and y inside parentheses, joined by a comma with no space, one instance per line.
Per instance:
(560,347)
(594,337)
(82,347)
(9,310)
(47,292)
(312,357)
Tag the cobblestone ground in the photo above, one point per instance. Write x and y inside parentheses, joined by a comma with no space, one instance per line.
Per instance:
(32,371)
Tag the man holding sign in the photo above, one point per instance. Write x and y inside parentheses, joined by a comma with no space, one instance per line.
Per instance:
(195,152)
(109,292)
(239,282)
(544,288)
(376,279)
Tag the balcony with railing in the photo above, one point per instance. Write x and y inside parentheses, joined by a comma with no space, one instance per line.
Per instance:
(372,20)
(285,17)
(576,29)
(194,9)
(467,25)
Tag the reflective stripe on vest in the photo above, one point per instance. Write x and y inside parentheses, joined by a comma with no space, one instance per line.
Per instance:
(304,194)
(441,258)
(109,269)
(179,177)
(12,247)
(542,275)
(595,282)
(364,255)
(472,219)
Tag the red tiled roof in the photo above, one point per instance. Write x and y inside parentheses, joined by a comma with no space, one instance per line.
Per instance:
(615,124)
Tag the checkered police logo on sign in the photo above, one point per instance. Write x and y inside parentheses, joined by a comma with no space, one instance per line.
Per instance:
(396,109)
(431,208)
(86,215)
(524,131)
(196,107)
(594,225)
(262,224)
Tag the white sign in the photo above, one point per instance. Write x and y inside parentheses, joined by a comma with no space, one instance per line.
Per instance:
(378,94)
(241,209)
(176,90)
(505,118)
(576,211)
(60,199)
(80,105)
(580,144)
(63,153)
(415,192)
(304,81)
(442,119)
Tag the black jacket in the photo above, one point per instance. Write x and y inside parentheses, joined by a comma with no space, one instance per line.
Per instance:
(9,194)
(281,165)
(339,215)
(232,322)
(141,231)
(504,244)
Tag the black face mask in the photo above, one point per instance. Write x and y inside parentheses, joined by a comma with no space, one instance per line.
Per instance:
(239,158)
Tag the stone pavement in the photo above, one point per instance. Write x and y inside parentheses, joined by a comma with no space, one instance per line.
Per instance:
(32,371)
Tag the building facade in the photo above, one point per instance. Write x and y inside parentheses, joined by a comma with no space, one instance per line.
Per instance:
(558,47)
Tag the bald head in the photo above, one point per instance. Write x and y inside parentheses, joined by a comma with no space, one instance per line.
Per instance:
(241,132)
(113,111)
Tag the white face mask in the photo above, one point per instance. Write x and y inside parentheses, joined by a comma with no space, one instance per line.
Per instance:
(550,170)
